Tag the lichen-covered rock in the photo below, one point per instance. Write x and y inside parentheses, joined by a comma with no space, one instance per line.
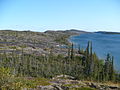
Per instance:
(50,87)
(64,77)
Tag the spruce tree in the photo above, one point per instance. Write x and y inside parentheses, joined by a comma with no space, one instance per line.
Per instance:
(79,50)
(72,52)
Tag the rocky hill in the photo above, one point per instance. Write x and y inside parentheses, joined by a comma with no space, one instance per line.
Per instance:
(35,42)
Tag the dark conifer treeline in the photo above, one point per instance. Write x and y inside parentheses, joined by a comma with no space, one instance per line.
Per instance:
(84,65)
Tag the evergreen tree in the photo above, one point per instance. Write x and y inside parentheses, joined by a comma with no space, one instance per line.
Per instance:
(112,72)
(79,50)
(72,52)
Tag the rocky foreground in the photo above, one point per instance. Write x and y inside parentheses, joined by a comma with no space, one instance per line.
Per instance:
(77,85)
(65,82)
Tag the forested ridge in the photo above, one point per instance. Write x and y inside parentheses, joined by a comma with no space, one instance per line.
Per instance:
(78,63)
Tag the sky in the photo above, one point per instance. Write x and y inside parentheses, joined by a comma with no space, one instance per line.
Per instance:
(42,15)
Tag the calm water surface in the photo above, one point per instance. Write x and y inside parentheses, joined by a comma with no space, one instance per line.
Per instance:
(102,44)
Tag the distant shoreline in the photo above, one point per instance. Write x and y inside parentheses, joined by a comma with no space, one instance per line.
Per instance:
(105,32)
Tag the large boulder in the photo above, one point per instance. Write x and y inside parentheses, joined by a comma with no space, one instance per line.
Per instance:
(64,77)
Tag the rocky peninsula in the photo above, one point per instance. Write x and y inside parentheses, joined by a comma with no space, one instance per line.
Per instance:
(39,43)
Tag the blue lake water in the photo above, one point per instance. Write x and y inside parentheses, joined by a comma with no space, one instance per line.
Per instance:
(102,44)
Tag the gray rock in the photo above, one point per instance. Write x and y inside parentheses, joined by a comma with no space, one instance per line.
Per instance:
(57,87)
(46,88)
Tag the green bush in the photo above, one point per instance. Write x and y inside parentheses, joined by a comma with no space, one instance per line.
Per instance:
(5,76)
